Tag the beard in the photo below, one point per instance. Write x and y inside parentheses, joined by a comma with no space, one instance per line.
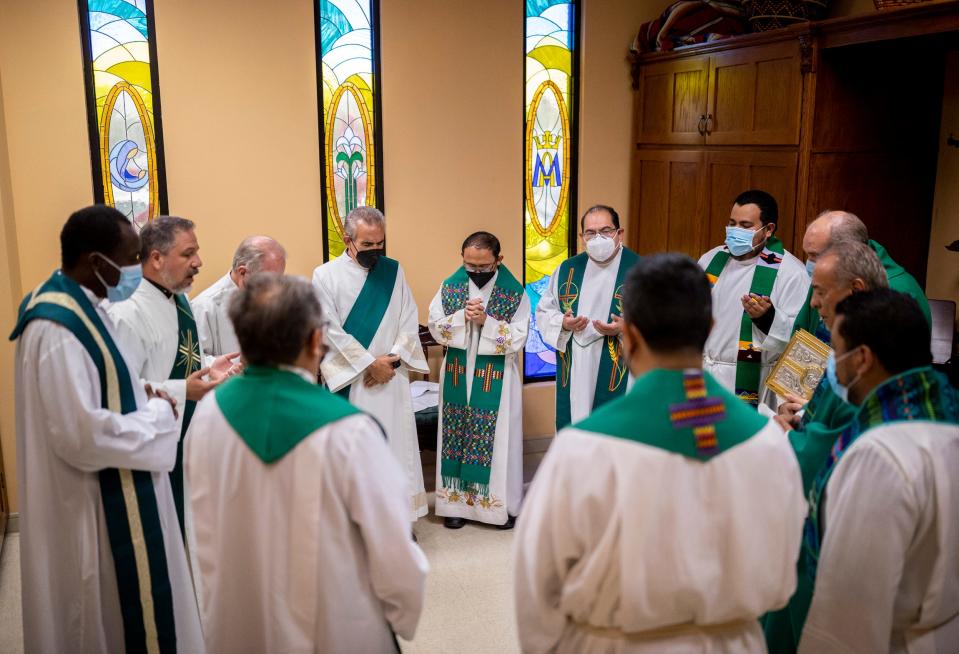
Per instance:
(178,286)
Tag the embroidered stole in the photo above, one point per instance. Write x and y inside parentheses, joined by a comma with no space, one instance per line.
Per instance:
(129,498)
(613,372)
(370,306)
(469,426)
(749,359)
(682,411)
(186,362)
(918,394)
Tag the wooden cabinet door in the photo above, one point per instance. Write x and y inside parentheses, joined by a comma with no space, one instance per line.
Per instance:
(730,173)
(672,102)
(669,187)
(755,96)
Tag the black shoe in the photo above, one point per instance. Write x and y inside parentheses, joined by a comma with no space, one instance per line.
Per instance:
(509,524)
(454,523)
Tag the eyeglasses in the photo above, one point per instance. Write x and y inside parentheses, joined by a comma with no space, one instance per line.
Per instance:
(479,269)
(608,232)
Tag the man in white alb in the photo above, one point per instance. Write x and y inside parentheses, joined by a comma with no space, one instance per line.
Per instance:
(373,336)
(210,308)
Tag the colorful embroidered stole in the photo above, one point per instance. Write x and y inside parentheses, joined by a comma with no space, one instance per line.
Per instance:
(370,306)
(272,409)
(749,359)
(187,362)
(611,380)
(129,498)
(682,411)
(920,394)
(469,426)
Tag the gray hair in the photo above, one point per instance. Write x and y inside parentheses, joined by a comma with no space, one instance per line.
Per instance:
(160,234)
(855,260)
(273,316)
(368,215)
(845,226)
(253,250)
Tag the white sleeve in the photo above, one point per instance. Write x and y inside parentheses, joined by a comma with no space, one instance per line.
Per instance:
(135,350)
(375,493)
(347,359)
(83,434)
(870,517)
(407,344)
(549,316)
(544,550)
(449,330)
(205,314)
(501,337)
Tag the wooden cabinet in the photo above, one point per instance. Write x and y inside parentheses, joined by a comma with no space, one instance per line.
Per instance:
(747,96)
(672,102)
(684,196)
(670,185)
(754,96)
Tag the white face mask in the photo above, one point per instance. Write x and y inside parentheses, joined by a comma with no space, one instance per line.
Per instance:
(600,248)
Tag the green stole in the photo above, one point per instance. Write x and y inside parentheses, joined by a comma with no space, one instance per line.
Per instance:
(469,426)
(129,496)
(686,412)
(370,306)
(273,409)
(186,362)
(612,372)
(749,359)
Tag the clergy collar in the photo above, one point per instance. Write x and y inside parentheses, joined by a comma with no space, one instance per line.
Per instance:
(168,294)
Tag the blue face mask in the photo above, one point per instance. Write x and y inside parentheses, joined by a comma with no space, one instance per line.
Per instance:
(130,278)
(840,389)
(810,265)
(739,240)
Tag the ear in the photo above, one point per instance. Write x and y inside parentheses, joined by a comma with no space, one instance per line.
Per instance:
(858,285)
(499,259)
(316,341)
(866,360)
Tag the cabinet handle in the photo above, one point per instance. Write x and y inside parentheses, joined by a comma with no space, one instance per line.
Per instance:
(701,127)
(709,124)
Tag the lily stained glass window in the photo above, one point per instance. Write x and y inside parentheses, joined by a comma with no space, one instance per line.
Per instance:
(549,156)
(124,106)
(349,125)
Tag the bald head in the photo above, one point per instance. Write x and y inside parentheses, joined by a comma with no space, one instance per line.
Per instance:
(832,227)
(257,254)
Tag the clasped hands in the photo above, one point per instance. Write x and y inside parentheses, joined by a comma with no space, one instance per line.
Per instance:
(578,323)
(756,305)
(787,415)
(475,312)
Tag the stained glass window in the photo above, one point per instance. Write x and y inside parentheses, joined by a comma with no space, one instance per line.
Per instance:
(348,70)
(549,156)
(124,106)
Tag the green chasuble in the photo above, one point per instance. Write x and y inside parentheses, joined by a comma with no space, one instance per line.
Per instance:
(129,497)
(469,425)
(749,359)
(611,380)
(370,306)
(273,409)
(682,411)
(921,394)
(899,280)
(187,362)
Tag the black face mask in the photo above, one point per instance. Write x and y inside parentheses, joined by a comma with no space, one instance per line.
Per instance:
(481,279)
(368,258)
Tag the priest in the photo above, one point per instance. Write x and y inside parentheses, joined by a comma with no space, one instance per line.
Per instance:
(832,227)
(668,520)
(881,533)
(758,288)
(580,316)
(481,314)
(302,527)
(102,562)
(157,331)
(373,336)
(255,254)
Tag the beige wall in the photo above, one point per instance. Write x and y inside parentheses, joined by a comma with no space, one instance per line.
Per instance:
(942,277)
(240,132)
